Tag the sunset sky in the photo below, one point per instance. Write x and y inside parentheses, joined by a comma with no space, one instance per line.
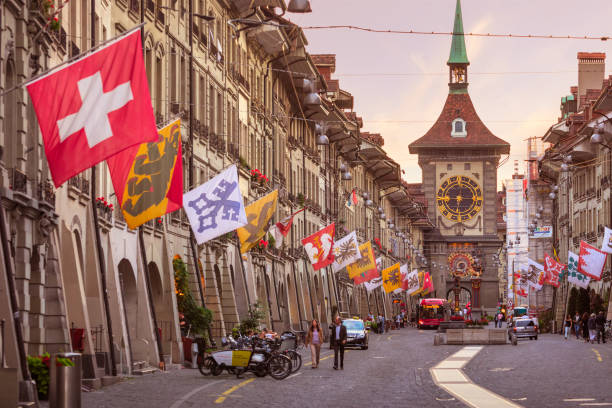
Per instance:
(400,82)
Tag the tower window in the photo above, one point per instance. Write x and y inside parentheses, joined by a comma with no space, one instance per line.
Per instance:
(458,128)
(449,167)
(467,166)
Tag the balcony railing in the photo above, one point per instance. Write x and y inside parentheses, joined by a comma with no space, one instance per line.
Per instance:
(46,193)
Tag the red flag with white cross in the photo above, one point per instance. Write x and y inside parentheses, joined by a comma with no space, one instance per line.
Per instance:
(94,107)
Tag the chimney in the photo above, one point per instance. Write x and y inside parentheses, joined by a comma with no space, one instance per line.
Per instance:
(591,68)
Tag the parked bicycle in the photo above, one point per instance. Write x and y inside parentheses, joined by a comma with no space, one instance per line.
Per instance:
(255,355)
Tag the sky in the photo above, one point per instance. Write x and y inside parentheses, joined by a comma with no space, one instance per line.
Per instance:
(400,82)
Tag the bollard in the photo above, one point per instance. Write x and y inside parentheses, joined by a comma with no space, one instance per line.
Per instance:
(65,387)
(194,355)
(514,341)
(437,339)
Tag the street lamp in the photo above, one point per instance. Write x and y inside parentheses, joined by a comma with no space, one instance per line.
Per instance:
(299,6)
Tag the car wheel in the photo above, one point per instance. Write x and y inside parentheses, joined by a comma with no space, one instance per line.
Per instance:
(536,337)
(530,337)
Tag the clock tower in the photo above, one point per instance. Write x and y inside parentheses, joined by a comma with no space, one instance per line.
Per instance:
(459,157)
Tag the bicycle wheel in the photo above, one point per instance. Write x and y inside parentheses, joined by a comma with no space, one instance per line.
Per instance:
(209,366)
(279,367)
(296,360)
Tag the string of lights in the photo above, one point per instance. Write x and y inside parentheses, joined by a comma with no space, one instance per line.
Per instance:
(447,33)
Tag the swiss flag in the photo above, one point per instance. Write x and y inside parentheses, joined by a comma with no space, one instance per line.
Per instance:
(94,107)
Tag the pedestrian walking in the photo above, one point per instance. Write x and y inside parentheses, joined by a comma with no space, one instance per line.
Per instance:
(568,325)
(337,339)
(500,319)
(314,338)
(592,325)
(584,324)
(600,324)
(577,325)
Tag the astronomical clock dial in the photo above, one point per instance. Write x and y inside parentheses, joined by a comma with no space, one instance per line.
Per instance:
(459,198)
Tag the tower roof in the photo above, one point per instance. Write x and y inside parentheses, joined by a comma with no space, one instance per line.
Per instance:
(478,135)
(458,52)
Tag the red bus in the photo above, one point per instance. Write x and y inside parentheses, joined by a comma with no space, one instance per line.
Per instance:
(430,313)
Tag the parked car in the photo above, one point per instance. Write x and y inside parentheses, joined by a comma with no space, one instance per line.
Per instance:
(523,328)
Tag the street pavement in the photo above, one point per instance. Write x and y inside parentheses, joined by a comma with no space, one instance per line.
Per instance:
(393,372)
(548,372)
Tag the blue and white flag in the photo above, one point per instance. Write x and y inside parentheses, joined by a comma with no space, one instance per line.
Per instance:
(216,207)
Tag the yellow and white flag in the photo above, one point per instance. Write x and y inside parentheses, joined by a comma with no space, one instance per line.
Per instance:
(392,278)
(258,215)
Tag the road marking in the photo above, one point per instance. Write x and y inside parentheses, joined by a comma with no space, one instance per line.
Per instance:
(185,397)
(234,388)
(295,375)
(519,399)
(310,362)
(389,338)
(444,399)
(598,355)
(449,376)
(501,369)
(578,399)
(596,404)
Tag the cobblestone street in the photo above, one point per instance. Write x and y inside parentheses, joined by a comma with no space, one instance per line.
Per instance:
(393,372)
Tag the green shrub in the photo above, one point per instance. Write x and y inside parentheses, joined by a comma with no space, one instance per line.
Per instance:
(257,313)
(197,317)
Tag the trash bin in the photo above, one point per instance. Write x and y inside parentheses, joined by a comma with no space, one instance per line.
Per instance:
(65,387)
(194,355)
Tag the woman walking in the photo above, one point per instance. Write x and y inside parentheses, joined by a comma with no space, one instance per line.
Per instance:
(585,326)
(568,325)
(314,338)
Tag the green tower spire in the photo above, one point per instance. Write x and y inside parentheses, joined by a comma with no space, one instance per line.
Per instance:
(458,53)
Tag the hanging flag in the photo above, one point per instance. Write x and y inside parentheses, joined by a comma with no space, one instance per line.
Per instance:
(354,197)
(404,275)
(215,207)
(367,267)
(553,270)
(574,276)
(392,278)
(412,282)
(285,225)
(534,275)
(346,251)
(349,204)
(94,107)
(419,291)
(365,263)
(428,286)
(319,247)
(258,215)
(592,261)
(148,179)
(278,236)
(373,284)
(606,244)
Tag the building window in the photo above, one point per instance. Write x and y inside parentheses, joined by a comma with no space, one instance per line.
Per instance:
(449,167)
(467,166)
(459,128)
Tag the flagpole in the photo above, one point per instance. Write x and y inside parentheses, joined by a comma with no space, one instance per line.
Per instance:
(94,208)
(244,276)
(76,57)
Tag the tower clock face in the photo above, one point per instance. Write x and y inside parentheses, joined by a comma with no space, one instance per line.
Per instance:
(459,198)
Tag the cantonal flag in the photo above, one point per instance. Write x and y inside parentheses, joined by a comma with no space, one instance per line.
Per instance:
(148,178)
(319,247)
(592,261)
(94,107)
(365,268)
(552,270)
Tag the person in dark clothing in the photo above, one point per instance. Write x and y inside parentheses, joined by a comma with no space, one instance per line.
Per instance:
(584,323)
(600,323)
(337,339)
(592,328)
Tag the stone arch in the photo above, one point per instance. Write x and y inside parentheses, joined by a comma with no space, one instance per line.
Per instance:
(129,296)
(293,302)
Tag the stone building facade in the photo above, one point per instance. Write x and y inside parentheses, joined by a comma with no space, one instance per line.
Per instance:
(247,94)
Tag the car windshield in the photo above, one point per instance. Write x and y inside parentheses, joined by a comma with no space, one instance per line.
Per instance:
(353,324)
(524,323)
